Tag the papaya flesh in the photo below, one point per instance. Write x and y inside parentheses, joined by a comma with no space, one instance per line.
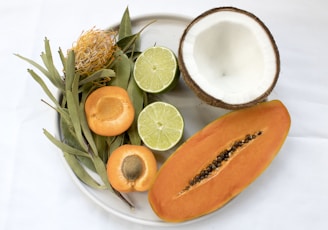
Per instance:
(219,161)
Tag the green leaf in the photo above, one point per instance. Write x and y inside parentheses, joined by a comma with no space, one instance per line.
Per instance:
(130,41)
(81,173)
(64,147)
(101,143)
(36,65)
(51,66)
(116,142)
(137,98)
(87,162)
(68,135)
(72,97)
(43,85)
(125,28)
(101,170)
(103,73)
(62,58)
(54,75)
(70,70)
(50,71)
(133,55)
(84,124)
(73,109)
(122,69)
(127,42)
(145,99)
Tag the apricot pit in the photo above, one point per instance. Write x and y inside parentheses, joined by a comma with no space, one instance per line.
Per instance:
(132,167)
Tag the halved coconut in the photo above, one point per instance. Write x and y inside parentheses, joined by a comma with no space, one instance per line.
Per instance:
(229,58)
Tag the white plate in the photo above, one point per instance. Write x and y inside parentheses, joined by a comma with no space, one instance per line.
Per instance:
(166,31)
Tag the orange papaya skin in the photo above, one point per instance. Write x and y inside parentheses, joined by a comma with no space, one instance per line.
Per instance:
(171,198)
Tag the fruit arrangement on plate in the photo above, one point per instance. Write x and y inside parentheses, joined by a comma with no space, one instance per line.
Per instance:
(111,122)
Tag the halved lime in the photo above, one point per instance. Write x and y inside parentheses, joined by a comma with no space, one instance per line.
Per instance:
(160,126)
(156,70)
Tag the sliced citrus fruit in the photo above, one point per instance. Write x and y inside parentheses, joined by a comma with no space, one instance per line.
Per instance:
(160,126)
(156,70)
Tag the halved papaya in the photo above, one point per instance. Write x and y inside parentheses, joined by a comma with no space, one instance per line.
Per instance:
(218,162)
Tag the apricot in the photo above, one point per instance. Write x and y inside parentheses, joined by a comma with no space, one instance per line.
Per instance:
(109,111)
(131,168)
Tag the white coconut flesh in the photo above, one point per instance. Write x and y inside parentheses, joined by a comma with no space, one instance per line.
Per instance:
(230,56)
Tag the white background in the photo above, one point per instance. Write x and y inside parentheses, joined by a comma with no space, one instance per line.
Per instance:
(35,189)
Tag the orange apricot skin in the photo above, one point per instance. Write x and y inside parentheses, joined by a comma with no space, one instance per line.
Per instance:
(109,111)
(172,204)
(115,174)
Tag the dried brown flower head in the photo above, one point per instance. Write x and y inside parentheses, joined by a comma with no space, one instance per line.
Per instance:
(93,50)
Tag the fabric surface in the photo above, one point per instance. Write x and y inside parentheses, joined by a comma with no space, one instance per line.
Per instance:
(36,191)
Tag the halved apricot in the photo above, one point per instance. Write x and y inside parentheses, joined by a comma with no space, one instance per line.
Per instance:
(109,111)
(131,168)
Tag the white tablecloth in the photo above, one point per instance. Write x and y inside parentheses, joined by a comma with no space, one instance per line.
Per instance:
(35,189)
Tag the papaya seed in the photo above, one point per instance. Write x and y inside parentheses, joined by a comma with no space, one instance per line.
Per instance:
(222,156)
